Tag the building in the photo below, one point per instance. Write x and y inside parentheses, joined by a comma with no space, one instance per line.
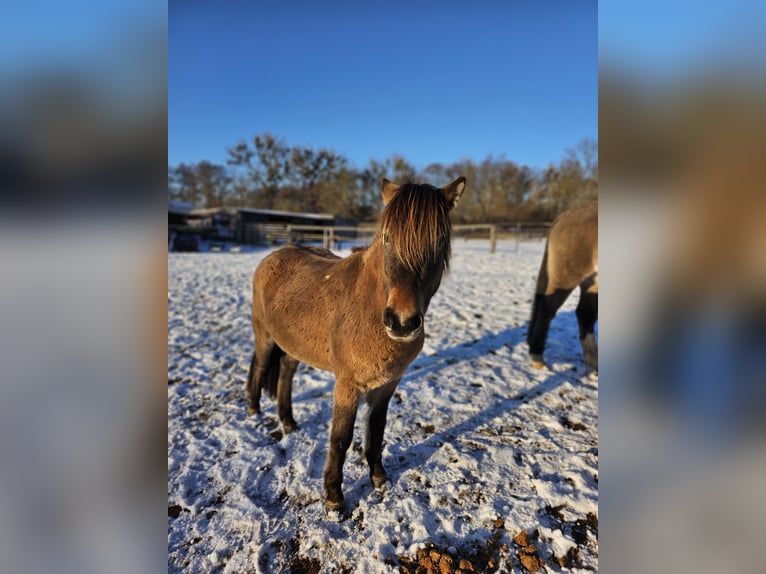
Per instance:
(246,225)
(258,226)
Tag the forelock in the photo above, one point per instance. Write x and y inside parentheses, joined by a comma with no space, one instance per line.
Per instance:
(416,222)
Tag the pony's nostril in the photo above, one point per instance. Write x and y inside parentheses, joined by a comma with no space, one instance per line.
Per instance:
(397,327)
(389,318)
(415,322)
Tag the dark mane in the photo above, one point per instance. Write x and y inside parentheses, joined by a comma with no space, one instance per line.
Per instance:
(416,222)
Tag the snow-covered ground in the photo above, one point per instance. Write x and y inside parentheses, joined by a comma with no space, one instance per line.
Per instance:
(474,434)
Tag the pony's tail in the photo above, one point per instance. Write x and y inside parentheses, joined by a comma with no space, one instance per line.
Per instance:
(271,374)
(540,288)
(542,276)
(251,374)
(270,377)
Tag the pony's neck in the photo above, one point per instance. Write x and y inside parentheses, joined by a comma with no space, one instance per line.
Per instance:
(375,250)
(372,257)
(372,261)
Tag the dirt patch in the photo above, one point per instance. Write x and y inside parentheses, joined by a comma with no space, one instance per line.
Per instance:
(479,558)
(527,553)
(174,510)
(301,565)
(430,560)
(524,551)
(583,531)
(573,425)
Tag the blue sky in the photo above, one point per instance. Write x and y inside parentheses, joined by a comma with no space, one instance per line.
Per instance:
(74,35)
(431,81)
(667,41)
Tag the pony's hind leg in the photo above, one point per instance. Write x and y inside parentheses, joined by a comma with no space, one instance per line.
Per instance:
(287,368)
(377,400)
(543,311)
(587,315)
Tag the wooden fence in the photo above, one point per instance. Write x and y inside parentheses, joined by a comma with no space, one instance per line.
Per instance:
(333,237)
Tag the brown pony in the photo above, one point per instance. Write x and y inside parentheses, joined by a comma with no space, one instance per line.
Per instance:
(360,316)
(570,259)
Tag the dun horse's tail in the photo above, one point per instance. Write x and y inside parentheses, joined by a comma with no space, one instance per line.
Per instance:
(270,376)
(540,288)
(251,373)
(542,276)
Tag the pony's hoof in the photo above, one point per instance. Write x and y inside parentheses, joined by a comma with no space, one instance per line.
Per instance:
(379,482)
(335,510)
(251,410)
(288,424)
(591,361)
(536,361)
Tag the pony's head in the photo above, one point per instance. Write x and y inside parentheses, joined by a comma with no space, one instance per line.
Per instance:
(416,233)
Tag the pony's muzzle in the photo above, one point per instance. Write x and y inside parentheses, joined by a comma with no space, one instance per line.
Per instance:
(404,331)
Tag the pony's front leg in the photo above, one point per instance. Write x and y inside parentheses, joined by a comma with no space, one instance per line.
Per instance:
(377,400)
(346,401)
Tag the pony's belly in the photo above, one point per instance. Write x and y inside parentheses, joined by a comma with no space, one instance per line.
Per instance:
(318,362)
(307,350)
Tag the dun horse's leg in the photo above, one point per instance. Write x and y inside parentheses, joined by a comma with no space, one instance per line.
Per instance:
(587,315)
(545,307)
(288,366)
(373,445)
(343,416)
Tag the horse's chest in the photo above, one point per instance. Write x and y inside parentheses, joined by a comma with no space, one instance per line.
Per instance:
(374,369)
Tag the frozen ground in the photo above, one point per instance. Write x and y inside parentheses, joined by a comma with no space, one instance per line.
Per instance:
(480,448)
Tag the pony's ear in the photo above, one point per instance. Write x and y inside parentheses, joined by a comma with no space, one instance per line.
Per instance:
(388,190)
(453,191)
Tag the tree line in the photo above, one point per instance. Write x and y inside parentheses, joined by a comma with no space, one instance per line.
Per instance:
(267,173)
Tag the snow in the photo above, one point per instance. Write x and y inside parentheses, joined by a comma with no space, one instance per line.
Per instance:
(474,433)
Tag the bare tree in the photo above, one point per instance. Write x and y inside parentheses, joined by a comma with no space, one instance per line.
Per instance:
(266,164)
(268,173)
(313,172)
(213,183)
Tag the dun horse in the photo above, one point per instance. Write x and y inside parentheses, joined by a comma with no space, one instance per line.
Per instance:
(360,316)
(570,259)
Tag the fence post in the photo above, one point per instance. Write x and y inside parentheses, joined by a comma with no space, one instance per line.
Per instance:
(289,238)
(492,238)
